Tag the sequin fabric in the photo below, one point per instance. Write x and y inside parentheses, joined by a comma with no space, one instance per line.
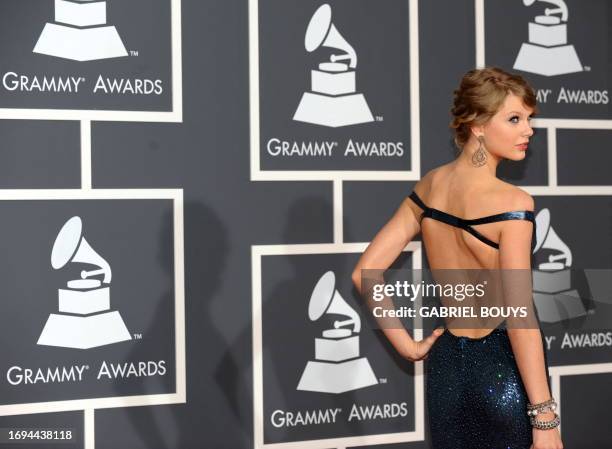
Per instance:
(475,396)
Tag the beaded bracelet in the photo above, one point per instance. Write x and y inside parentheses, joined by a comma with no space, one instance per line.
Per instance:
(542,407)
(547,408)
(541,404)
(546,425)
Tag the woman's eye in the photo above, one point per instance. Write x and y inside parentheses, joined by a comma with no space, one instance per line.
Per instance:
(514,119)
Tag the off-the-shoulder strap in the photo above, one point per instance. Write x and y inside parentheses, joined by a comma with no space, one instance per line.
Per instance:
(467,224)
(512,215)
(414,197)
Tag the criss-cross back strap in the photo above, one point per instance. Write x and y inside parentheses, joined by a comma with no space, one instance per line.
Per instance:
(462,223)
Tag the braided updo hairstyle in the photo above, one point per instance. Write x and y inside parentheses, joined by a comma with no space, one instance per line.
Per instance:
(480,95)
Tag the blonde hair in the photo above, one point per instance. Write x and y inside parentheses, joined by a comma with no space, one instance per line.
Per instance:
(480,95)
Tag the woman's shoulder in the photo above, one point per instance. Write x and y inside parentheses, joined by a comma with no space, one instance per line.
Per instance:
(513,197)
(424,184)
(498,192)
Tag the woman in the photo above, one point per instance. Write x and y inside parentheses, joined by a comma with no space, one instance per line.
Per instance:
(480,382)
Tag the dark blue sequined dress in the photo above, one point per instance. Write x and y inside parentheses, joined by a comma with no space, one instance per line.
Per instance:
(475,396)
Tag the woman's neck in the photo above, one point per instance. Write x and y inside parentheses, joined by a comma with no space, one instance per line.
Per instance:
(464,160)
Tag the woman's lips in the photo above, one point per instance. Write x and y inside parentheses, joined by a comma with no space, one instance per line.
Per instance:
(523,146)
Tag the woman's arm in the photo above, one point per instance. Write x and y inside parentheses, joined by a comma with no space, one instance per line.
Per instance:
(387,245)
(526,341)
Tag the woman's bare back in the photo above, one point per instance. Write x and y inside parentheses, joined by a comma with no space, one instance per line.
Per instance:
(449,191)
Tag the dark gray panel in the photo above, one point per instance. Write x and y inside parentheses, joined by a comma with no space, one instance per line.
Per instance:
(447,51)
(133,82)
(578,86)
(285,75)
(590,246)
(298,379)
(214,174)
(590,430)
(590,241)
(369,205)
(134,237)
(581,155)
(40,155)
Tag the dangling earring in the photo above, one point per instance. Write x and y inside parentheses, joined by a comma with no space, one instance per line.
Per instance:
(479,158)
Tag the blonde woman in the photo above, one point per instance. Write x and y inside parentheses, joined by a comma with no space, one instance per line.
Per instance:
(481,383)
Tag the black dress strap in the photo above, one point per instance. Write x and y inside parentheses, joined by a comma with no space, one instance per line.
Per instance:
(462,223)
(418,201)
(514,215)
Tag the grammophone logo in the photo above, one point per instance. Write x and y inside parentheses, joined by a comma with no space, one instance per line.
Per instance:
(547,53)
(333,100)
(85,319)
(338,366)
(554,295)
(80,32)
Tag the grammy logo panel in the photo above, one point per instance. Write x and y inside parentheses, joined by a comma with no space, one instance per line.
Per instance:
(570,292)
(84,55)
(98,322)
(555,44)
(324,375)
(328,99)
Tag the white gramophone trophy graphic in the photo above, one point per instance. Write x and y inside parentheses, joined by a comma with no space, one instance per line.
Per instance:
(333,101)
(547,52)
(80,32)
(338,367)
(84,320)
(553,294)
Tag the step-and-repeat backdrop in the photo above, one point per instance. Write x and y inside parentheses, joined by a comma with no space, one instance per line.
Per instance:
(186,187)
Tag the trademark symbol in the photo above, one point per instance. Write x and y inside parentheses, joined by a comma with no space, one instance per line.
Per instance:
(380,118)
(137,336)
(587,68)
(86,366)
(133,52)
(382,380)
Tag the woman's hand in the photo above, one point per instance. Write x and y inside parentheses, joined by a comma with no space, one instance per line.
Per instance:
(418,350)
(546,439)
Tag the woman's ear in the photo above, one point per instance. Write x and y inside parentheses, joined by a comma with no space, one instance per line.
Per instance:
(477,130)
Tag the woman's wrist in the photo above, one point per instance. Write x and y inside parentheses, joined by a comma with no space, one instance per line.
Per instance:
(547,416)
(409,349)
(542,415)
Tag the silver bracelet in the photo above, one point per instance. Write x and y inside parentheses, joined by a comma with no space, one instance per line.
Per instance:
(546,425)
(547,408)
(542,407)
(541,404)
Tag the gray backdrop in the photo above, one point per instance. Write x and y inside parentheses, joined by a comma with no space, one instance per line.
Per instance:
(226,214)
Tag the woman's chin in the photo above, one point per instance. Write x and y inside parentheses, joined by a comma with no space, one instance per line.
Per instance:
(517,155)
